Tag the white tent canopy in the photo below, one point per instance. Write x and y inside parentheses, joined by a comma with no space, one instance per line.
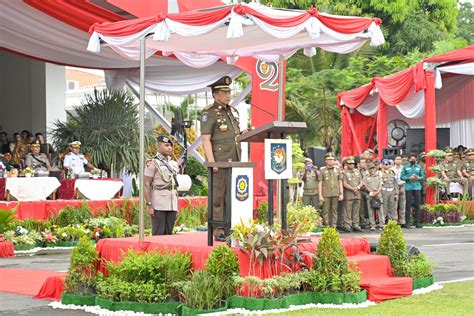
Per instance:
(199,39)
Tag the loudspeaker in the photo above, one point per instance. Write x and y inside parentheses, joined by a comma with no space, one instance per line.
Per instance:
(390,152)
(317,155)
(416,140)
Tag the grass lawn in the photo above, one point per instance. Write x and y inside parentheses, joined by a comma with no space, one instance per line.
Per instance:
(452,299)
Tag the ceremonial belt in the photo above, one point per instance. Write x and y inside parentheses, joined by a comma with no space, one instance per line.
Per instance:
(223,141)
(155,187)
(388,189)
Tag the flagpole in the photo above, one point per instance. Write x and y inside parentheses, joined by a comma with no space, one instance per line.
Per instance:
(280,118)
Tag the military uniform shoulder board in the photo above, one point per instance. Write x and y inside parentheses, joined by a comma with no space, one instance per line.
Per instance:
(209,107)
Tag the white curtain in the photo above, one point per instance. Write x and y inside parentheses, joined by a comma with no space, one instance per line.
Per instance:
(460,69)
(172,77)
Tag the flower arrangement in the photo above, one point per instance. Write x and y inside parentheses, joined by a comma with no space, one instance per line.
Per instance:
(95,173)
(28,172)
(438,221)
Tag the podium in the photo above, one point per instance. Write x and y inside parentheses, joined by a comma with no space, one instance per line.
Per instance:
(238,198)
(274,130)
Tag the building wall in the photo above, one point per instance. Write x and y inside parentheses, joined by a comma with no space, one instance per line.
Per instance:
(32,94)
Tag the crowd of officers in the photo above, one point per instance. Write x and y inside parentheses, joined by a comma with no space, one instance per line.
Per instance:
(365,193)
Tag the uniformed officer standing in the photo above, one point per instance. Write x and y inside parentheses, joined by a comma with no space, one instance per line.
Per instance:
(373,183)
(74,161)
(468,169)
(219,129)
(352,182)
(364,194)
(37,161)
(452,173)
(401,201)
(413,175)
(160,187)
(310,180)
(330,190)
(389,191)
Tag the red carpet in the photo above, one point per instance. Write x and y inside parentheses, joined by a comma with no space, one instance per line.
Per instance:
(376,273)
(25,282)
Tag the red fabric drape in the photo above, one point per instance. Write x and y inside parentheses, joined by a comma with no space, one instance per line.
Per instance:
(51,289)
(339,24)
(430,129)
(6,249)
(382,137)
(466,53)
(394,88)
(355,97)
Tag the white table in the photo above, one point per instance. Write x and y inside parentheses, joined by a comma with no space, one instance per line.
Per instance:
(31,189)
(98,189)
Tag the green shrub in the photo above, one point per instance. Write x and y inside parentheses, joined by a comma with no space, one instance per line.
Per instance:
(203,291)
(6,218)
(112,227)
(224,264)
(144,272)
(82,270)
(261,213)
(331,271)
(70,233)
(419,267)
(392,244)
(71,215)
(305,215)
(192,216)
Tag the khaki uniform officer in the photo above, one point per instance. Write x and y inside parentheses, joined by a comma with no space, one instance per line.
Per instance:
(352,182)
(364,194)
(37,161)
(373,183)
(310,179)
(389,192)
(219,129)
(160,187)
(452,173)
(468,169)
(330,190)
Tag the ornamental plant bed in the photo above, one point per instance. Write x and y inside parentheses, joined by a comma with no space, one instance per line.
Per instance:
(188,311)
(151,308)
(82,300)
(22,247)
(250,303)
(423,282)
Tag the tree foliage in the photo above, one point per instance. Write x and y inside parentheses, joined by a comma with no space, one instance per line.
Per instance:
(106,123)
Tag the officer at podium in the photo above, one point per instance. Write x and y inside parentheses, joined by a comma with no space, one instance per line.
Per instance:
(219,129)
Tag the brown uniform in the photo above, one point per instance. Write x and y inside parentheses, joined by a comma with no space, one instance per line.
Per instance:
(330,177)
(389,195)
(310,190)
(351,179)
(372,183)
(451,169)
(222,123)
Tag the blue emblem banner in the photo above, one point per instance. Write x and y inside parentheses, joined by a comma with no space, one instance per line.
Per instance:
(278,158)
(242,188)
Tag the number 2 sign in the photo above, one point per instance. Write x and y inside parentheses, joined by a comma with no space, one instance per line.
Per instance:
(268,71)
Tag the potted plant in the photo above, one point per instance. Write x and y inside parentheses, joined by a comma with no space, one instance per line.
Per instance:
(28,172)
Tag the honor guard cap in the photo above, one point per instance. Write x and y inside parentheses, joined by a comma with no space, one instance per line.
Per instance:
(470,151)
(308,160)
(36,144)
(164,139)
(75,144)
(222,84)
(449,152)
(350,160)
(329,156)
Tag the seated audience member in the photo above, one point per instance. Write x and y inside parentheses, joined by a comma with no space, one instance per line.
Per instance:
(452,173)
(36,160)
(9,162)
(4,143)
(74,161)
(468,169)
(21,150)
(45,148)
(16,138)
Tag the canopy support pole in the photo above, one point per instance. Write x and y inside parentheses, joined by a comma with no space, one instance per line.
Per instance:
(280,118)
(141,168)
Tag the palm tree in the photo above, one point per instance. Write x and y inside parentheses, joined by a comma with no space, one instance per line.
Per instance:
(106,123)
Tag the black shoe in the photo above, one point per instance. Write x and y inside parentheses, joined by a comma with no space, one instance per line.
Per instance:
(357,229)
(346,229)
(406,226)
(221,237)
